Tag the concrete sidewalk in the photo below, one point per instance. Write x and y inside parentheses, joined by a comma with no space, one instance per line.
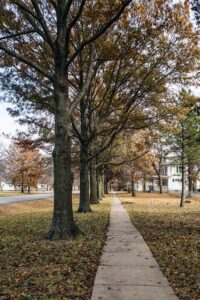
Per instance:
(128,270)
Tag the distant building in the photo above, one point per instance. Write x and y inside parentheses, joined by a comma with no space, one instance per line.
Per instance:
(171,178)
(7,186)
(10,187)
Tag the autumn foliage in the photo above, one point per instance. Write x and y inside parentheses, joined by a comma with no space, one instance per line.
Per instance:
(25,167)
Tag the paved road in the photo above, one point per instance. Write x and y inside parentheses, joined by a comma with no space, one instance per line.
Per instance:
(15,199)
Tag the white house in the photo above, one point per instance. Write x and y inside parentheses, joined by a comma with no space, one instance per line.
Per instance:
(171,178)
(4,186)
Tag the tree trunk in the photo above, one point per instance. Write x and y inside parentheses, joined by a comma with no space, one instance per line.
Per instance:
(84,205)
(133,188)
(93,182)
(102,185)
(22,183)
(195,184)
(106,180)
(190,181)
(182,203)
(160,184)
(29,189)
(106,186)
(144,183)
(99,189)
(63,225)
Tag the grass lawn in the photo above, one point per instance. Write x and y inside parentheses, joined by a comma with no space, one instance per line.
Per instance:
(34,268)
(173,235)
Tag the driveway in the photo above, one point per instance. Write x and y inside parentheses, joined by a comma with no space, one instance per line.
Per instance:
(15,199)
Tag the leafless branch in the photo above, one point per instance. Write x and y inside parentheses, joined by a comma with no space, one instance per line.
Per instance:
(13,35)
(27,62)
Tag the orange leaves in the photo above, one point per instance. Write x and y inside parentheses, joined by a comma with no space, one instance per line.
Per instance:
(25,165)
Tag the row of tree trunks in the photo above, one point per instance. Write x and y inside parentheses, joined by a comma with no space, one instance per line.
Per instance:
(93,185)
(84,205)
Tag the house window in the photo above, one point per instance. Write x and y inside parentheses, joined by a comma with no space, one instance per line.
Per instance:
(176,180)
(164,182)
(178,169)
(164,171)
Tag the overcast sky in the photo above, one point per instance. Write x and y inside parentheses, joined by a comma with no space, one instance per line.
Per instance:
(8,125)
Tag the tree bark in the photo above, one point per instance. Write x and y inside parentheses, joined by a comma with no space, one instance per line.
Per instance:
(195,184)
(106,185)
(101,184)
(144,182)
(99,189)
(84,205)
(133,188)
(160,184)
(22,183)
(63,225)
(93,182)
(182,203)
(190,181)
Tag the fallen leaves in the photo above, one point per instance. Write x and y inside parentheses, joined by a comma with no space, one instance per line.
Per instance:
(173,235)
(34,268)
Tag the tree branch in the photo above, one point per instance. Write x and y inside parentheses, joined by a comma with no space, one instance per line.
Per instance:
(87,82)
(54,4)
(42,22)
(13,35)
(31,18)
(24,8)
(27,62)
(64,9)
(100,32)
(126,161)
(78,15)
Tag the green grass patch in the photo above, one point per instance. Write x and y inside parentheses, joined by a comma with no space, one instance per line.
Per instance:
(34,268)
(173,235)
